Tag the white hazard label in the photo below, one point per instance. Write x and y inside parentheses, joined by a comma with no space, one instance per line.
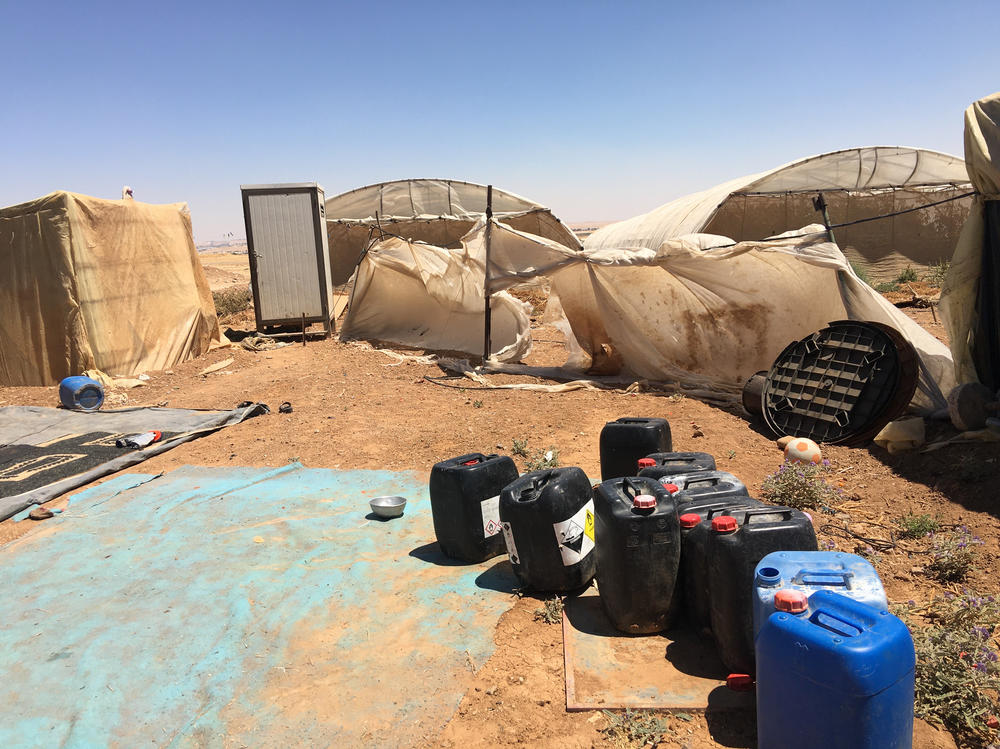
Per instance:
(490,509)
(508,537)
(575,535)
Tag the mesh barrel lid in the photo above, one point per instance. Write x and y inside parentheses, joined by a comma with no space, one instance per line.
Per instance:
(689,519)
(644,502)
(842,384)
(792,601)
(646,462)
(724,524)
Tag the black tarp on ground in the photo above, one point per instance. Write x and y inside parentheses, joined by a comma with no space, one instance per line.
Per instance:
(45,452)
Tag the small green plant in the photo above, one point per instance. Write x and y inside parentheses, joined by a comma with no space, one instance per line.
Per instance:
(908,275)
(937,273)
(539,461)
(230,301)
(551,611)
(861,272)
(535,460)
(883,288)
(957,675)
(799,485)
(953,554)
(731,454)
(634,728)
(477,404)
(916,526)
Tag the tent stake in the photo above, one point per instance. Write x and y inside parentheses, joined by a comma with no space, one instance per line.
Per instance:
(486,280)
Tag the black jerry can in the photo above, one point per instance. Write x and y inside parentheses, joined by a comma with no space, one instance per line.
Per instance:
(695,521)
(705,485)
(465,505)
(548,524)
(658,465)
(638,553)
(626,440)
(734,548)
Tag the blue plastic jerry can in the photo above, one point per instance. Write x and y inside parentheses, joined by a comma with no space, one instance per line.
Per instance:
(838,676)
(809,571)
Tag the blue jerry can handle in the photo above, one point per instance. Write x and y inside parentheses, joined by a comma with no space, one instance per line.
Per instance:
(836,624)
(824,577)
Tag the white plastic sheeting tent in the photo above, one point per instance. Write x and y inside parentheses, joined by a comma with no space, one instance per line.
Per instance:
(436,211)
(703,318)
(857,183)
(970,301)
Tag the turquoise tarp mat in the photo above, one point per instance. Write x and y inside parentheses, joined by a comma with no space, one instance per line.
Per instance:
(240,607)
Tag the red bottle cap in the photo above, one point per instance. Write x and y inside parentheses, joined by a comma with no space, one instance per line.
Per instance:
(792,601)
(689,519)
(724,524)
(644,502)
(672,488)
(739,682)
(646,462)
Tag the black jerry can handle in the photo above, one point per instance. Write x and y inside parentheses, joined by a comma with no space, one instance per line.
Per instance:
(528,494)
(785,512)
(471,459)
(627,485)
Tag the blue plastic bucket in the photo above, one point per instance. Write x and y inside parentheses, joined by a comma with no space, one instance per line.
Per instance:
(81,393)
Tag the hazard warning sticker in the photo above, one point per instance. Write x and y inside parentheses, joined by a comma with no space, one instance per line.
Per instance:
(508,537)
(490,509)
(575,543)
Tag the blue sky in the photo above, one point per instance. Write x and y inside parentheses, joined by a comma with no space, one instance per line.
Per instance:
(599,110)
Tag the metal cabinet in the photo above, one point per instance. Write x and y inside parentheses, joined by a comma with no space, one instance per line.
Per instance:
(289,255)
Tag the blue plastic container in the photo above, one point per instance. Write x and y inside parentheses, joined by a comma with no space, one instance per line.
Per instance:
(809,571)
(837,677)
(81,393)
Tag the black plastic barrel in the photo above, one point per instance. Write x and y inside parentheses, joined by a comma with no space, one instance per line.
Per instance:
(658,465)
(465,504)
(638,553)
(548,524)
(695,521)
(734,549)
(626,440)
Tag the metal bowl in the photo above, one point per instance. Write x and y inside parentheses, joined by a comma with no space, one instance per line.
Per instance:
(388,507)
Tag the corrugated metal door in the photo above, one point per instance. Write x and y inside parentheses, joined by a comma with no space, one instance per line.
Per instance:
(284,243)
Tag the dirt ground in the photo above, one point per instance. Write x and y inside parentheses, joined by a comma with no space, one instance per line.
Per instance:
(357,407)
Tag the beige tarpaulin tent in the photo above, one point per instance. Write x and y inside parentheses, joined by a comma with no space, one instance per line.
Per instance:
(436,211)
(970,301)
(114,285)
(856,183)
(707,319)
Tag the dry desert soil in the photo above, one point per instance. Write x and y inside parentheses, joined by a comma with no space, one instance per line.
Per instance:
(357,407)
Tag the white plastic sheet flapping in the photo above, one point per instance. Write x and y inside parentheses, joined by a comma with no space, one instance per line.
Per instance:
(961,287)
(711,318)
(418,295)
(703,318)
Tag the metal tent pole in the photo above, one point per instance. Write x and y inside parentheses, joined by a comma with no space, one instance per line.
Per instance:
(486,281)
